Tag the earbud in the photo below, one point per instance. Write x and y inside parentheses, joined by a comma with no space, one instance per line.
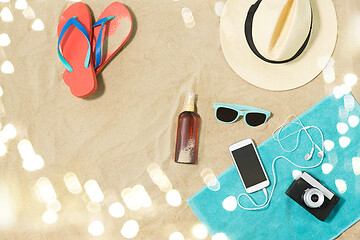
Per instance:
(320,154)
(309,155)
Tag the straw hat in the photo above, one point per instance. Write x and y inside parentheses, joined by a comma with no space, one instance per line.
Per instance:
(278,44)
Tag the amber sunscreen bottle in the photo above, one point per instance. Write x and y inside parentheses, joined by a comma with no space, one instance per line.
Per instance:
(187,132)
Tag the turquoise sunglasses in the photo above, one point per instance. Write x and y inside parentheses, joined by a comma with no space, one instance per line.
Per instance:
(229,113)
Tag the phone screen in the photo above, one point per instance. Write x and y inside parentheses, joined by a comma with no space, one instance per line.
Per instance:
(249,165)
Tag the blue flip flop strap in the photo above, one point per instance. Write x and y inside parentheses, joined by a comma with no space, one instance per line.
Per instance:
(98,41)
(78,25)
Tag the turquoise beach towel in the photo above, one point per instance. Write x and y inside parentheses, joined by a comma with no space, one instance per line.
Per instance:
(283,218)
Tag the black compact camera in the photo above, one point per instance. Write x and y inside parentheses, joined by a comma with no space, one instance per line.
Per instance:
(313,196)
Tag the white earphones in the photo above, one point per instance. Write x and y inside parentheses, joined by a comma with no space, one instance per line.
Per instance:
(308,156)
(320,154)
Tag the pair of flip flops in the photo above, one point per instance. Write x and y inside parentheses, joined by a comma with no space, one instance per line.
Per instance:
(85,48)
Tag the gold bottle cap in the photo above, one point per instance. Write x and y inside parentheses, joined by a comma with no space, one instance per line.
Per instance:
(189,104)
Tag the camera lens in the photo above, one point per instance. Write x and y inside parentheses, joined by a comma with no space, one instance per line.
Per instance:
(313,198)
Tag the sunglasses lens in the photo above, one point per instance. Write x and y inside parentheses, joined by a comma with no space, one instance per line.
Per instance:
(255,119)
(226,114)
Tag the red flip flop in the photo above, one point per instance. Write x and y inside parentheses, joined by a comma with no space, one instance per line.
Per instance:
(74,49)
(112,30)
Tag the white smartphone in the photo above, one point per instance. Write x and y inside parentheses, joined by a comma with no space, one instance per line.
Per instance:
(249,166)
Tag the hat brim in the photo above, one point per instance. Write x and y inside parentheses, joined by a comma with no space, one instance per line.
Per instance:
(278,77)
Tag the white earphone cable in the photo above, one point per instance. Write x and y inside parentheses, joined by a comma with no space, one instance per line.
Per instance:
(279,129)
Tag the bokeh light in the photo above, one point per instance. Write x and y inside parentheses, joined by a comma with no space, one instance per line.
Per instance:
(93,190)
(3,149)
(229,203)
(21,4)
(34,163)
(116,210)
(356,165)
(38,25)
(136,197)
(353,121)
(327,168)
(327,64)
(329,74)
(152,167)
(296,174)
(200,231)
(25,149)
(7,67)
(55,206)
(6,15)
(345,89)
(344,141)
(343,114)
(142,197)
(212,183)
(9,131)
(50,217)
(96,228)
(342,127)
(210,179)
(349,102)
(173,198)
(220,236)
(45,191)
(4,40)
(205,172)
(329,145)
(72,183)
(130,200)
(186,13)
(341,185)
(188,17)
(29,13)
(93,207)
(130,229)
(219,8)
(333,159)
(350,79)
(176,236)
(159,177)
(338,92)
